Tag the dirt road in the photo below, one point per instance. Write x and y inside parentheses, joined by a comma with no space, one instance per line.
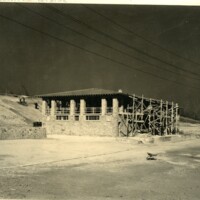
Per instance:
(98,168)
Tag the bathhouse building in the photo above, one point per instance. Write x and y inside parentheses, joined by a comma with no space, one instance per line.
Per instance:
(109,113)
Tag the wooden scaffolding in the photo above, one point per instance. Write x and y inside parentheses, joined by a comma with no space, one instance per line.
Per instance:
(146,115)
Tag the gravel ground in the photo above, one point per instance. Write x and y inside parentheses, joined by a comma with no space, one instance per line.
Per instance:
(69,167)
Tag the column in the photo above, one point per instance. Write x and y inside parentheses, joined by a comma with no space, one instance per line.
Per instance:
(115,107)
(44,107)
(103,107)
(72,107)
(82,107)
(53,108)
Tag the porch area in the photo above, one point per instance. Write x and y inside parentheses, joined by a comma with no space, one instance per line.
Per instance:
(74,109)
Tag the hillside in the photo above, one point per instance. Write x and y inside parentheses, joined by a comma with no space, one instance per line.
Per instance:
(14,114)
(189,120)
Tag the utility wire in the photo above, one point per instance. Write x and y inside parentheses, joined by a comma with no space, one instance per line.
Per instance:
(119,41)
(139,36)
(91,52)
(101,43)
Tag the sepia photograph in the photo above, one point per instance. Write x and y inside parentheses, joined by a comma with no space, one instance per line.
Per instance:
(99,101)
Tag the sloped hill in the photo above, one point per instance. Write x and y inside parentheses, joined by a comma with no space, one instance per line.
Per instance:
(16,120)
(189,120)
(12,113)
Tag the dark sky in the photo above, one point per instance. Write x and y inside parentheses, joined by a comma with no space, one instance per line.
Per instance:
(43,61)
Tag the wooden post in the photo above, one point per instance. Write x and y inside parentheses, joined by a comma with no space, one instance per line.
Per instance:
(172,117)
(150,106)
(166,117)
(142,104)
(133,114)
(153,123)
(161,116)
(176,118)
(142,113)
(121,109)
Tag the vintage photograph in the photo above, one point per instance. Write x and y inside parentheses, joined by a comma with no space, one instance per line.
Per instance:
(99,101)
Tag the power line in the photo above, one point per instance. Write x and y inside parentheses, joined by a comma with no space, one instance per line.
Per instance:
(104,44)
(139,36)
(119,41)
(91,52)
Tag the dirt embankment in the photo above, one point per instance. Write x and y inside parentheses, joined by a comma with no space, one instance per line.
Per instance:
(189,130)
(16,120)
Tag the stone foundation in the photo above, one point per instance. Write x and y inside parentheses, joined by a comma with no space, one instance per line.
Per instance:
(21,132)
(106,126)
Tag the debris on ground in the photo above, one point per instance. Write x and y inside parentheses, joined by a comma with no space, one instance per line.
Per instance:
(151,156)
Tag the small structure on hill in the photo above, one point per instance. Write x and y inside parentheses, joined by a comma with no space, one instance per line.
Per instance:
(105,112)
(22,100)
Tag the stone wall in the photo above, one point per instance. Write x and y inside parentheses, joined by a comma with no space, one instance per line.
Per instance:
(21,132)
(106,126)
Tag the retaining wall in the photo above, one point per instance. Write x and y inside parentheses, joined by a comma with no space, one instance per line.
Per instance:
(22,132)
